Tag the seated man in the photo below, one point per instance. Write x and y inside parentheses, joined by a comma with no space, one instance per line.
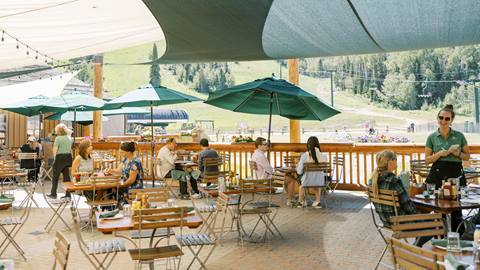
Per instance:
(206,152)
(32,146)
(166,157)
(264,170)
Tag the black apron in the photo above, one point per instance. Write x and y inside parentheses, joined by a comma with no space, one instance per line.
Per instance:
(442,170)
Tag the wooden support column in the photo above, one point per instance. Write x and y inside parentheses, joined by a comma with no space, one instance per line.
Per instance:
(293,77)
(97,92)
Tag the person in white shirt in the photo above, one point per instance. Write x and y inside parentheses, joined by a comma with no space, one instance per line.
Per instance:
(313,155)
(264,169)
(166,159)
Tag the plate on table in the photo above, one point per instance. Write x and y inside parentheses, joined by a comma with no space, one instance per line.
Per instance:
(421,196)
(117,216)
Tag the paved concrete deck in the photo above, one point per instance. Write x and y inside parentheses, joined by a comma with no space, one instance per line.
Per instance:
(340,237)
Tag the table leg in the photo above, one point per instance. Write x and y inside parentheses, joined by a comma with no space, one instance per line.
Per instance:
(449,222)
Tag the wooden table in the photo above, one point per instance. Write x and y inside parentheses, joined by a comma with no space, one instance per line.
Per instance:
(126,224)
(464,256)
(443,206)
(72,187)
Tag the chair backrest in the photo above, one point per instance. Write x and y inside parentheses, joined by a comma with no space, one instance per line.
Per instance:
(419,170)
(256,186)
(290,161)
(316,167)
(154,194)
(77,230)
(61,250)
(145,219)
(226,161)
(385,197)
(253,168)
(212,176)
(22,156)
(279,178)
(410,226)
(407,256)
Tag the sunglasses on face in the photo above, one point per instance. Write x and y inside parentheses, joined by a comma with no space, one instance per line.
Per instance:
(444,118)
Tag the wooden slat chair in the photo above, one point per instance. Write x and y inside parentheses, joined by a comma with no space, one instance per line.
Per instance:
(165,182)
(263,209)
(155,195)
(388,198)
(226,161)
(211,177)
(29,188)
(197,241)
(61,251)
(99,253)
(221,207)
(419,170)
(29,156)
(148,219)
(10,226)
(310,167)
(412,226)
(291,161)
(338,162)
(103,199)
(407,256)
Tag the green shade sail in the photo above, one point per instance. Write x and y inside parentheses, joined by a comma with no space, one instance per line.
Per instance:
(148,96)
(288,100)
(29,106)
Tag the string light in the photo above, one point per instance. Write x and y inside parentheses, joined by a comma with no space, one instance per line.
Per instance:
(48,59)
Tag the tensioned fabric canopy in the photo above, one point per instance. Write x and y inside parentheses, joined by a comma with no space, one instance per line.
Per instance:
(233,30)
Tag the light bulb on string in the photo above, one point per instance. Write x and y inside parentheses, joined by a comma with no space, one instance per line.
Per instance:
(3,35)
(36,55)
(28,51)
(18,47)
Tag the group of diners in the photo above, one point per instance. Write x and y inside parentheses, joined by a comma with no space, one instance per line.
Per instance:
(131,171)
(445,149)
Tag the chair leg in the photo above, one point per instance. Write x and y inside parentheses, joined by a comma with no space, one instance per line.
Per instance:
(381,257)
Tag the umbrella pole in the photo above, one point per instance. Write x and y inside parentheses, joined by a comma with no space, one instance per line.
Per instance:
(153,146)
(74,123)
(269,125)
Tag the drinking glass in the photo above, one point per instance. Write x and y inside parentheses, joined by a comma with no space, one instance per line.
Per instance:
(430,188)
(453,242)
(127,210)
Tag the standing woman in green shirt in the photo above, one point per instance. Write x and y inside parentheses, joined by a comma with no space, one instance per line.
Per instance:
(62,151)
(446,148)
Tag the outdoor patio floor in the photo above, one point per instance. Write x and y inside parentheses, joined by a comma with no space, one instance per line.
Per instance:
(340,237)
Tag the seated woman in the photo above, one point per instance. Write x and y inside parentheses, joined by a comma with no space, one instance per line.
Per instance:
(82,166)
(384,178)
(130,169)
(313,155)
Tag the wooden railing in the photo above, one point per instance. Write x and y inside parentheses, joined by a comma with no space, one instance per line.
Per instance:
(359,159)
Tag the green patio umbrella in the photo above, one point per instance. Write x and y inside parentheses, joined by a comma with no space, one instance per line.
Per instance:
(83,118)
(126,110)
(272,96)
(150,96)
(72,102)
(28,107)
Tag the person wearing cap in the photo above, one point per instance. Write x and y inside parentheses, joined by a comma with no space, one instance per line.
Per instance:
(33,165)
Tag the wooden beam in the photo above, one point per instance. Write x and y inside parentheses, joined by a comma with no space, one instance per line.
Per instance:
(293,77)
(97,92)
